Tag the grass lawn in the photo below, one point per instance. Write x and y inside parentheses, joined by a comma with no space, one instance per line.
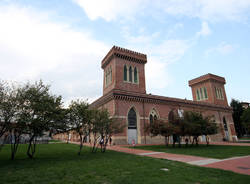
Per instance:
(53,140)
(211,151)
(58,163)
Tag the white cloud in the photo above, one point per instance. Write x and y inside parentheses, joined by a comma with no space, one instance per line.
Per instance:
(209,10)
(222,48)
(109,9)
(205,30)
(33,47)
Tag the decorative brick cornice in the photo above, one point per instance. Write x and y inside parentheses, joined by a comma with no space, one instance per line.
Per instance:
(154,99)
(125,54)
(206,77)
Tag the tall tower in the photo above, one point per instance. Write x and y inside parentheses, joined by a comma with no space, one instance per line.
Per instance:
(124,70)
(209,88)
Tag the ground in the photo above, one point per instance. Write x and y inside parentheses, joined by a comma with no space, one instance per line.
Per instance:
(211,151)
(59,163)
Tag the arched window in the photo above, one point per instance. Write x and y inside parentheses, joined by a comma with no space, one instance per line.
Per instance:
(135,75)
(151,119)
(152,116)
(132,123)
(130,74)
(125,78)
(225,124)
(171,116)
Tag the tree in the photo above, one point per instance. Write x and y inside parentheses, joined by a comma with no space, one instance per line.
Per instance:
(199,125)
(103,128)
(61,122)
(80,118)
(37,109)
(245,118)
(160,127)
(8,111)
(237,113)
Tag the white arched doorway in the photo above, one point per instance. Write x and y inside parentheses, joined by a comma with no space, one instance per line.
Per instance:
(132,126)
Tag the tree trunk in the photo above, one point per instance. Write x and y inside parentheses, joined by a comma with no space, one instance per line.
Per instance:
(79,153)
(207,140)
(32,147)
(14,145)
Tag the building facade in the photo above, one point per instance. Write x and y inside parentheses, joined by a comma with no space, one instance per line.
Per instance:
(125,97)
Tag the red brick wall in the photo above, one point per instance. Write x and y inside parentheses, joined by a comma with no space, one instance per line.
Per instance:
(117,65)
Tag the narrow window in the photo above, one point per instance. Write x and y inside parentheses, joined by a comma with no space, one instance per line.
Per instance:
(221,94)
(205,92)
(216,93)
(130,74)
(132,119)
(135,75)
(125,73)
(110,75)
(151,119)
(106,78)
(198,95)
(201,94)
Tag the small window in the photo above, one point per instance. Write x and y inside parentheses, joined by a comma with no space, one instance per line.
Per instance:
(125,73)
(201,94)
(205,92)
(135,75)
(197,95)
(216,92)
(151,119)
(130,74)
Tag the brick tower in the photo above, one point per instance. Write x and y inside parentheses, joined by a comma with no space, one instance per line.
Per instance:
(209,88)
(124,70)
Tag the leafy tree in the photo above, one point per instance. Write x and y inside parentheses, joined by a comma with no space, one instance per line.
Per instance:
(199,125)
(237,113)
(9,128)
(103,128)
(245,118)
(37,110)
(80,117)
(160,127)
(61,122)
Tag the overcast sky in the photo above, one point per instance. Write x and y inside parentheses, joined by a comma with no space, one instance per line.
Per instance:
(63,42)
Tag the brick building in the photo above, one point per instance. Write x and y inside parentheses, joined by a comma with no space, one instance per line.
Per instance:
(125,97)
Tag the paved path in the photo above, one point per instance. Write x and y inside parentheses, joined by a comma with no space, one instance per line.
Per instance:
(235,164)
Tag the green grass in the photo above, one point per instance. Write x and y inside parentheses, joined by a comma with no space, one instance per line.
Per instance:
(211,151)
(56,141)
(59,164)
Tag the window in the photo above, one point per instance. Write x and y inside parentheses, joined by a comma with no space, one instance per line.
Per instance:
(225,124)
(130,74)
(171,116)
(198,95)
(108,76)
(205,92)
(152,116)
(125,78)
(132,119)
(135,76)
(201,94)
(219,93)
